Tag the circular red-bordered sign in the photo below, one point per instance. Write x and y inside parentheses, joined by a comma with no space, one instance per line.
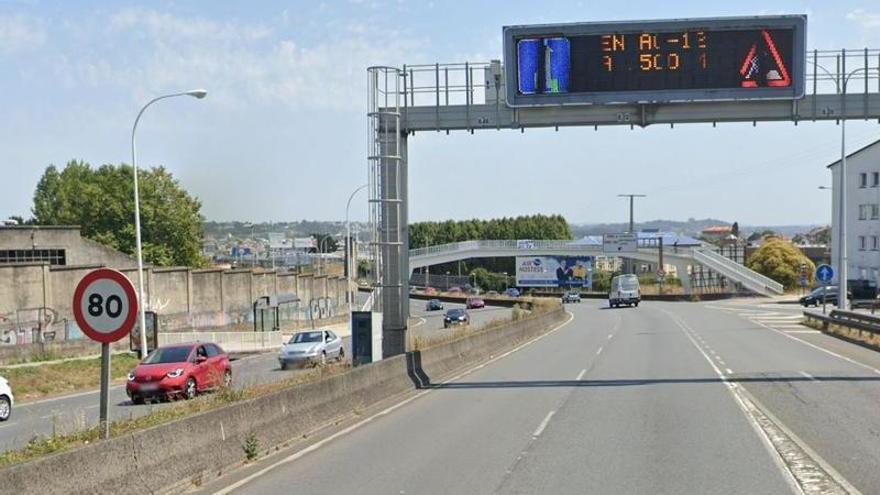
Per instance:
(105,305)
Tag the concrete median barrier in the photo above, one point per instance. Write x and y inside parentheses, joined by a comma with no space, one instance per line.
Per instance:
(174,456)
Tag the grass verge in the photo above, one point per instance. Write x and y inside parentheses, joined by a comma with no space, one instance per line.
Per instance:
(40,446)
(34,382)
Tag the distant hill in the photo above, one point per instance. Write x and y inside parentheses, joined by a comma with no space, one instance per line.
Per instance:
(690,226)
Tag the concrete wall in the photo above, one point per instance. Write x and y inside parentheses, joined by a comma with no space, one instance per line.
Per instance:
(197,448)
(184,299)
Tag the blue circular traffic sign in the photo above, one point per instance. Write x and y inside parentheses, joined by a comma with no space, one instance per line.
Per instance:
(824,273)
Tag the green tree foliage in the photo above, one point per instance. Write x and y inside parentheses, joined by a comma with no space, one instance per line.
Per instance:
(537,227)
(487,280)
(780,260)
(100,201)
(546,227)
(325,243)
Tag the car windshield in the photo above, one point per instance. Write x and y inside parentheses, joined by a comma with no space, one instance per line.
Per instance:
(168,355)
(819,291)
(455,313)
(306,337)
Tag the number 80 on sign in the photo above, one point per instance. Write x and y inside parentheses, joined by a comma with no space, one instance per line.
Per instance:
(105,305)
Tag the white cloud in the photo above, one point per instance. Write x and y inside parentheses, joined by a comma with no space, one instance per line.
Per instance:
(20,33)
(866,19)
(239,63)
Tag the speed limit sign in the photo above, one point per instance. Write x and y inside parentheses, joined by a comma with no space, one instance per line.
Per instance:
(105,305)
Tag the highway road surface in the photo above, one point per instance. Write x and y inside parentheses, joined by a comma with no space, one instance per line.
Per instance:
(64,414)
(666,398)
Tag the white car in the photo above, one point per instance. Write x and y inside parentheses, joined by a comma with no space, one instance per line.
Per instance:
(313,346)
(6,399)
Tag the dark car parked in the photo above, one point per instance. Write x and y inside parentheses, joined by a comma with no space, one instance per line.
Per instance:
(814,298)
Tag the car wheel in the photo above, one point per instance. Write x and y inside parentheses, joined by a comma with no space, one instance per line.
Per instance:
(227,378)
(137,400)
(190,390)
(5,408)
(341,354)
(283,366)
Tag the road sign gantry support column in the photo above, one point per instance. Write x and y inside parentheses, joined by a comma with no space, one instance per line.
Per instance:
(388,205)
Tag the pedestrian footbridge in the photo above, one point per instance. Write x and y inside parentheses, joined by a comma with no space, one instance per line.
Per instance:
(681,257)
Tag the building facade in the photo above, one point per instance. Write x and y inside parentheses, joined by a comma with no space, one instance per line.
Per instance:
(862,213)
(56,245)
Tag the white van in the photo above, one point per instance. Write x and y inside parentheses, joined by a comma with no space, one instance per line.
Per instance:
(624,290)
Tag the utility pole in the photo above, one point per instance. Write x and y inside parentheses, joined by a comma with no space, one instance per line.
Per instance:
(628,262)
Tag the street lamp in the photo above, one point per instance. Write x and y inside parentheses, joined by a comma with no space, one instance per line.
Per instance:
(349,294)
(825,188)
(196,93)
(842,299)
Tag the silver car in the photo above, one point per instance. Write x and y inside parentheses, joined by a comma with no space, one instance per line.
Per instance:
(313,346)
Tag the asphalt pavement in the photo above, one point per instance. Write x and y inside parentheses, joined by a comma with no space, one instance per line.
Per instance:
(663,398)
(70,412)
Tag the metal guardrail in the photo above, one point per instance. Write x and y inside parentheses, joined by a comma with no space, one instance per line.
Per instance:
(848,319)
(470,83)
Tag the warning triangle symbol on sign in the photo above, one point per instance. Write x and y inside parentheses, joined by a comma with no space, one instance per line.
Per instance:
(763,65)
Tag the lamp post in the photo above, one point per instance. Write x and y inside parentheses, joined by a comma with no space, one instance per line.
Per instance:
(195,93)
(349,253)
(840,83)
(631,197)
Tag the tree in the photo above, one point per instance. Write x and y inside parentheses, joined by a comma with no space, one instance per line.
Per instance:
(100,201)
(325,243)
(734,229)
(781,260)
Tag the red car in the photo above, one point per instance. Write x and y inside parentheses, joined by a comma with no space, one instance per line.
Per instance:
(475,303)
(180,370)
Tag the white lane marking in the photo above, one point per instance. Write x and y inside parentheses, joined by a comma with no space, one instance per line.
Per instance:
(801,331)
(580,375)
(729,371)
(599,351)
(799,468)
(721,362)
(610,335)
(62,397)
(808,376)
(317,445)
(421,322)
(543,424)
(826,351)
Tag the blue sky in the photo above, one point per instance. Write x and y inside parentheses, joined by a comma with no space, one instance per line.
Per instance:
(281,135)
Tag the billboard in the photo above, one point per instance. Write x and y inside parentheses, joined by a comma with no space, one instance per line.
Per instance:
(710,59)
(554,271)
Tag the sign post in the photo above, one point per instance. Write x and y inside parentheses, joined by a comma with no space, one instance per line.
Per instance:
(105,307)
(824,274)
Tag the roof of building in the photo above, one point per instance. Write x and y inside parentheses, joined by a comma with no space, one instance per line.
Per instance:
(718,229)
(854,153)
(39,227)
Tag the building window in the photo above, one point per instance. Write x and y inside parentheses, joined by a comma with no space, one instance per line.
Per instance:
(875,211)
(52,256)
(863,212)
(862,243)
(875,179)
(863,179)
